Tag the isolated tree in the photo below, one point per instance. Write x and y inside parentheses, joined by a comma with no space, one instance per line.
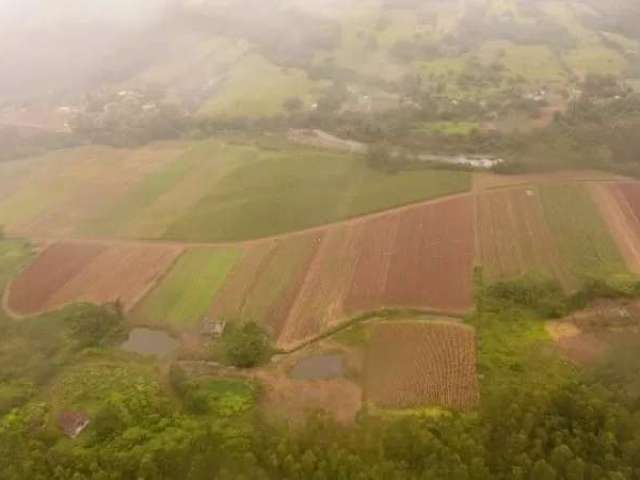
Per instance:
(247,345)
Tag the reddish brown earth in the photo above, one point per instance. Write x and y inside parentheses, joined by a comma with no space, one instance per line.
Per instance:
(422,258)
(124,273)
(420,364)
(55,266)
(88,272)
(415,258)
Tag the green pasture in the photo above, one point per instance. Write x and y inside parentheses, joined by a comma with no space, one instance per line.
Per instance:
(295,189)
(583,239)
(185,294)
(254,87)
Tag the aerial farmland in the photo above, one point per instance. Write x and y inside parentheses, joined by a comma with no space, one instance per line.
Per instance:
(320,239)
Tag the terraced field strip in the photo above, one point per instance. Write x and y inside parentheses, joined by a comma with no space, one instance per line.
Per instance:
(266,282)
(78,272)
(514,238)
(583,239)
(32,290)
(615,202)
(422,364)
(420,258)
(186,292)
(57,193)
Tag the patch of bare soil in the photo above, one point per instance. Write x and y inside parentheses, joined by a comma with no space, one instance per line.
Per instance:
(589,336)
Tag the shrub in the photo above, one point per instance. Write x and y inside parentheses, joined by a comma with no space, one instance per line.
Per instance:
(542,295)
(95,326)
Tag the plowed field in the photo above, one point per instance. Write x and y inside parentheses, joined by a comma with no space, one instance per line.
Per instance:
(417,258)
(85,272)
(419,364)
(420,258)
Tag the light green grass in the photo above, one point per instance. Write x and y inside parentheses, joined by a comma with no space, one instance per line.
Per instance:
(448,128)
(536,63)
(596,59)
(255,87)
(185,295)
(296,189)
(582,237)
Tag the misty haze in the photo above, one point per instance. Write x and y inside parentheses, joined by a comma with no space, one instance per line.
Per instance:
(320,239)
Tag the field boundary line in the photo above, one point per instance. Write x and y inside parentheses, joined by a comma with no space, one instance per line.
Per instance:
(281,236)
(384,313)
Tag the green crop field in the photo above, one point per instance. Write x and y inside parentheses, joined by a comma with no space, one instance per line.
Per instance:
(294,189)
(204,190)
(583,239)
(165,193)
(186,293)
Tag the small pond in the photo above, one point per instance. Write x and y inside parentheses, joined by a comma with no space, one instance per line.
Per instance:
(150,342)
(318,367)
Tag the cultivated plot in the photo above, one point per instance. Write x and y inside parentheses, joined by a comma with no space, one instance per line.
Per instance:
(85,272)
(265,283)
(64,192)
(583,238)
(513,237)
(422,364)
(421,258)
(619,205)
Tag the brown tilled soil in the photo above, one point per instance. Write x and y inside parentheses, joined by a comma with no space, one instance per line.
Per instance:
(375,251)
(319,305)
(421,258)
(432,261)
(420,364)
(514,237)
(615,202)
(32,290)
(122,273)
